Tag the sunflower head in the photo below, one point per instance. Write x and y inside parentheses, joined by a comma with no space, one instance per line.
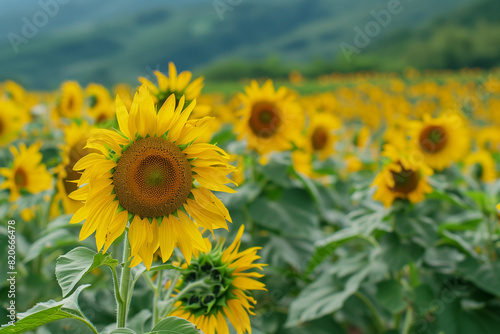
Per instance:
(441,141)
(481,166)
(215,285)
(100,103)
(71,100)
(27,172)
(155,174)
(179,85)
(405,177)
(270,119)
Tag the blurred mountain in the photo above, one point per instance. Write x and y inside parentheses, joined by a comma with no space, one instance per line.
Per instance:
(115,41)
(467,37)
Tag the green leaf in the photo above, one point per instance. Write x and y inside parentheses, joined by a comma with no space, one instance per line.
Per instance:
(390,294)
(53,240)
(71,267)
(294,214)
(46,312)
(325,296)
(326,247)
(175,325)
(123,331)
(397,253)
(486,276)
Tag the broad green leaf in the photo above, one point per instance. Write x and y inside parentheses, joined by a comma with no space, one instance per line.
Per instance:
(294,214)
(458,241)
(486,276)
(46,312)
(326,247)
(175,325)
(325,296)
(55,239)
(71,267)
(397,253)
(390,294)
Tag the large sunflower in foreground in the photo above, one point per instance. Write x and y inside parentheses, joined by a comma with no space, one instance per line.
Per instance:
(27,172)
(270,119)
(224,293)
(179,85)
(403,177)
(151,174)
(442,140)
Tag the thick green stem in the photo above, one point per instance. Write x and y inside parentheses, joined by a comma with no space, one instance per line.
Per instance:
(121,314)
(376,317)
(157,292)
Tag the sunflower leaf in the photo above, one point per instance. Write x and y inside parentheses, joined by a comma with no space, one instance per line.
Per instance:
(72,266)
(175,325)
(47,312)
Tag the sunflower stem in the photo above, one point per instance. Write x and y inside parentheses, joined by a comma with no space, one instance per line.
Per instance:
(157,292)
(121,314)
(376,317)
(168,295)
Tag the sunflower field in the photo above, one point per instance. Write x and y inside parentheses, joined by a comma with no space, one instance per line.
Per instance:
(353,203)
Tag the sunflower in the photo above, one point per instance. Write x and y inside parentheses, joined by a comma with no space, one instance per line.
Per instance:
(224,293)
(179,85)
(320,134)
(482,165)
(152,174)
(101,105)
(403,177)
(12,118)
(270,119)
(71,101)
(75,139)
(27,172)
(441,141)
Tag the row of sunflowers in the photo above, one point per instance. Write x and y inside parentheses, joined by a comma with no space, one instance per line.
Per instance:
(369,207)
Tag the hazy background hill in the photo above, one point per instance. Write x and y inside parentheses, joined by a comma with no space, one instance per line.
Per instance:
(114,41)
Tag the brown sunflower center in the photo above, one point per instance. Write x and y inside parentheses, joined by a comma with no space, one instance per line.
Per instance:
(71,102)
(20,178)
(433,139)
(264,120)
(405,181)
(152,178)
(319,138)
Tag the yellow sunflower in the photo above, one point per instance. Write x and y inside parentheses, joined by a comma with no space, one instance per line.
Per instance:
(27,172)
(101,104)
(441,141)
(270,119)
(75,139)
(151,174)
(179,85)
(224,293)
(12,119)
(71,101)
(403,177)
(320,134)
(481,165)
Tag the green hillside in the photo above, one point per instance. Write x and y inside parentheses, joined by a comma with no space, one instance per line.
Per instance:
(252,39)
